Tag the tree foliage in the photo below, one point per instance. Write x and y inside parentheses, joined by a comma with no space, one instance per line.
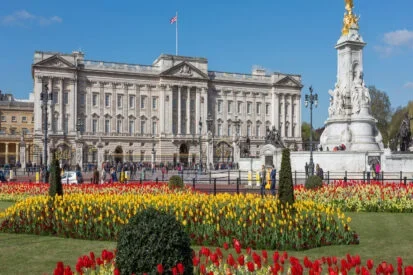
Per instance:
(381,110)
(305,132)
(286,188)
(55,179)
(395,122)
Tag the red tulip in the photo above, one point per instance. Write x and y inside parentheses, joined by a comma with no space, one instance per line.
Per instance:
(226,246)
(202,269)
(116,272)
(250,266)
(370,264)
(181,268)
(399,261)
(174,271)
(241,260)
(159,268)
(195,261)
(230,260)
(275,256)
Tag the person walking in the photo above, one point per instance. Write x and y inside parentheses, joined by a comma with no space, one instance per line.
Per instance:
(377,170)
(263,180)
(273,176)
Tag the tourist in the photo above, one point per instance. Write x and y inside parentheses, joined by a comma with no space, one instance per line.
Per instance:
(319,171)
(273,180)
(263,181)
(377,169)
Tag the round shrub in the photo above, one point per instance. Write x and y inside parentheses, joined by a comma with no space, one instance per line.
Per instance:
(150,238)
(175,182)
(313,182)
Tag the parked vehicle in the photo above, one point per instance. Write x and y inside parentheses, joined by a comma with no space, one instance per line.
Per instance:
(72,177)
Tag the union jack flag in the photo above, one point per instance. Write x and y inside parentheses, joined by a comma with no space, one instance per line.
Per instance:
(173,19)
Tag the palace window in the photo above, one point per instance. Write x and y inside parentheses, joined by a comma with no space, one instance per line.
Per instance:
(154,102)
(24,118)
(239,107)
(107,126)
(153,127)
(132,101)
(2,131)
(3,118)
(219,129)
(267,109)
(13,119)
(25,131)
(66,125)
(94,126)
(55,98)
(120,98)
(95,100)
(229,130)
(229,106)
(219,106)
(249,130)
(12,131)
(258,130)
(249,108)
(119,126)
(142,102)
(258,108)
(142,127)
(107,100)
(131,127)
(65,98)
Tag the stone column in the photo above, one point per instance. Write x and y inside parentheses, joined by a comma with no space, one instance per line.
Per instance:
(100,155)
(298,117)
(179,110)
(71,107)
(282,116)
(60,100)
(101,124)
(49,106)
(113,107)
(162,108)
(138,109)
(38,88)
(204,111)
(125,108)
(22,156)
(290,116)
(79,153)
(188,111)
(169,111)
(6,154)
(254,112)
(197,109)
(276,110)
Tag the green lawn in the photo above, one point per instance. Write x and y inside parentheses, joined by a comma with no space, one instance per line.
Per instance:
(383,236)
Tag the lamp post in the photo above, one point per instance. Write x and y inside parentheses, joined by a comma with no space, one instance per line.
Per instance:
(210,155)
(311,99)
(200,145)
(44,97)
(153,153)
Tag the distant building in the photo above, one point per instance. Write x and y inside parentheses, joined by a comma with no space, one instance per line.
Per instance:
(16,125)
(124,111)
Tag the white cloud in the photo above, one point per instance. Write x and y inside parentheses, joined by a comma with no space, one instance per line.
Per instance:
(25,18)
(399,38)
(408,85)
(394,41)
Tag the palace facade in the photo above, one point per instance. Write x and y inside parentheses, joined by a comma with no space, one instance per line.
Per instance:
(102,111)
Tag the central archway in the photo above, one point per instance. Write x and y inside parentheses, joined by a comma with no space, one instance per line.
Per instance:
(183,154)
(118,154)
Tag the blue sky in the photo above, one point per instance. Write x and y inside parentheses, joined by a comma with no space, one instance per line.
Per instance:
(295,36)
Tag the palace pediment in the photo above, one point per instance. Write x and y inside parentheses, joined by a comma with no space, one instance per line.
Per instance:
(184,70)
(289,82)
(55,61)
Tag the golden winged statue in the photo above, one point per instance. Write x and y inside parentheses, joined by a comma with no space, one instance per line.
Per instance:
(349,17)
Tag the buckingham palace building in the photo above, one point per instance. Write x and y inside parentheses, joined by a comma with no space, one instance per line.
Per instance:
(172,111)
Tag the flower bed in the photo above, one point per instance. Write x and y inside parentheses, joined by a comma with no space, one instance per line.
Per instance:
(209,220)
(246,261)
(358,196)
(21,191)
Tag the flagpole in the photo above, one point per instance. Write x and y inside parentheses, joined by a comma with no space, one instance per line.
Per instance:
(176,33)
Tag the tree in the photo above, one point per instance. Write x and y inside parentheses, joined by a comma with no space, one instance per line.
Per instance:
(381,110)
(286,188)
(395,122)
